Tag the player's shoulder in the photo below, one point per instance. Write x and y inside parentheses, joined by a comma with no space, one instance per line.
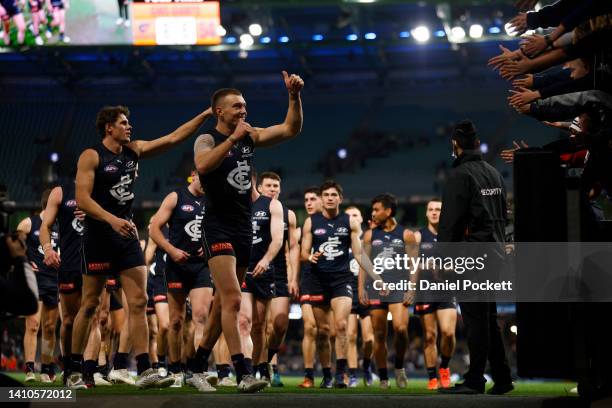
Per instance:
(203,142)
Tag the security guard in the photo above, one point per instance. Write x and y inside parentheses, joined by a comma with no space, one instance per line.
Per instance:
(475,211)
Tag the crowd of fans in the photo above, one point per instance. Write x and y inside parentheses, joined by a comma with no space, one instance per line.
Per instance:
(563,78)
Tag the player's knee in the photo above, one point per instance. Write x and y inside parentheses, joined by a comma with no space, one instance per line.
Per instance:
(447,333)
(138,303)
(89,307)
(400,330)
(32,325)
(310,329)
(199,316)
(430,339)
(163,326)
(244,324)
(323,335)
(176,324)
(231,302)
(49,329)
(368,339)
(341,327)
(380,336)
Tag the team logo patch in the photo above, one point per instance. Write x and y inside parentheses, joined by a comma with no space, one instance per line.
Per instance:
(121,191)
(320,231)
(246,149)
(130,164)
(240,177)
(71,203)
(111,168)
(194,228)
(221,246)
(377,242)
(260,214)
(187,208)
(398,241)
(342,230)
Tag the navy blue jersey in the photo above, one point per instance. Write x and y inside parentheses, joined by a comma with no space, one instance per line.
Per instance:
(428,239)
(331,237)
(280,262)
(113,187)
(228,187)
(35,251)
(70,230)
(261,230)
(388,244)
(185,224)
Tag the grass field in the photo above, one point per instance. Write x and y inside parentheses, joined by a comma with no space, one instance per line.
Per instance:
(415,387)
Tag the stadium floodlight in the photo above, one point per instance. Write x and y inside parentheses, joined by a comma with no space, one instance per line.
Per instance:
(342,153)
(246,40)
(370,36)
(421,34)
(351,37)
(220,31)
(230,40)
(317,37)
(255,29)
(484,148)
(476,31)
(404,34)
(265,40)
(439,33)
(457,33)
(54,157)
(494,30)
(283,39)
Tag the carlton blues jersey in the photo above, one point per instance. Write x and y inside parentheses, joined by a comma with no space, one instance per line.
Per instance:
(280,262)
(228,187)
(185,224)
(331,237)
(262,236)
(70,229)
(428,239)
(389,244)
(35,251)
(113,187)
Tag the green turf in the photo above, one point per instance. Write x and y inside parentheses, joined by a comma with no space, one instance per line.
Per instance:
(415,387)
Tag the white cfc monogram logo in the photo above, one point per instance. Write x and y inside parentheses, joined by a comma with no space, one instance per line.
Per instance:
(330,249)
(121,190)
(239,178)
(256,239)
(77,225)
(194,228)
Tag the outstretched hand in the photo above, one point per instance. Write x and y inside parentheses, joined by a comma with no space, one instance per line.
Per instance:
(293,83)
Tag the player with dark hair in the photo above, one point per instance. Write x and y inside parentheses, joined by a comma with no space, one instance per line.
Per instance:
(258,287)
(285,275)
(62,207)
(435,314)
(104,191)
(186,271)
(331,234)
(360,316)
(48,312)
(312,205)
(387,240)
(223,159)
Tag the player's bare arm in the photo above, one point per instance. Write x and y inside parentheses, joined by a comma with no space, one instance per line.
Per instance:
(150,250)
(150,148)
(54,202)
(305,255)
(161,218)
(411,246)
(276,233)
(294,256)
(207,156)
(367,251)
(292,125)
(88,161)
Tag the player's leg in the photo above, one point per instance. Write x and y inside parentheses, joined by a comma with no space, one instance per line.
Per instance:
(93,285)
(245,324)
(429,322)
(222,363)
(70,303)
(341,307)
(379,325)
(399,315)
(62,26)
(367,339)
(48,318)
(277,324)
(308,344)
(201,299)
(30,338)
(321,315)
(163,324)
(176,309)
(353,355)
(91,353)
(447,321)
(258,336)
(20,24)
(152,324)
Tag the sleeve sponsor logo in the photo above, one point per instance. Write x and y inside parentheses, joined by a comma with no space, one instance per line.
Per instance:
(175,285)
